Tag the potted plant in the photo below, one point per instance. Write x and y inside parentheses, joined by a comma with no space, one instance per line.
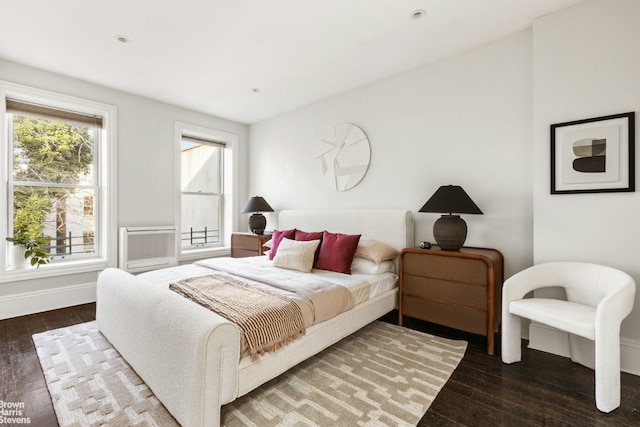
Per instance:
(34,253)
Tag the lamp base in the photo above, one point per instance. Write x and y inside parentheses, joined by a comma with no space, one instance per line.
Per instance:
(257,223)
(450,232)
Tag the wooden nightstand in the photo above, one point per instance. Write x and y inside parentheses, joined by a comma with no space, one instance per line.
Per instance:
(248,244)
(461,290)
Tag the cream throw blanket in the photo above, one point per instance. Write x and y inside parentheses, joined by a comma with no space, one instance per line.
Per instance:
(268,320)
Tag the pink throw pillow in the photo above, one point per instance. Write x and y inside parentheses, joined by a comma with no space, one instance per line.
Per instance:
(337,251)
(277,236)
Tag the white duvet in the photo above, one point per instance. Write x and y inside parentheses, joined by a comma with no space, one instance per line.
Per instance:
(304,288)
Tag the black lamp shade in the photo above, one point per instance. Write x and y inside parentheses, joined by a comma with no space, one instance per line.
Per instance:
(451,199)
(450,231)
(257,204)
(257,221)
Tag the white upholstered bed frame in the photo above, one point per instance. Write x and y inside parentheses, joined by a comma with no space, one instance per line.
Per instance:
(190,356)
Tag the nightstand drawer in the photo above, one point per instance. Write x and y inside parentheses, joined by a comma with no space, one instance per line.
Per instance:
(241,252)
(245,241)
(248,244)
(467,294)
(449,268)
(447,314)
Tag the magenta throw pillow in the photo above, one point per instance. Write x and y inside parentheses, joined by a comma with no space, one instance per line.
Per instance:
(277,236)
(303,236)
(337,251)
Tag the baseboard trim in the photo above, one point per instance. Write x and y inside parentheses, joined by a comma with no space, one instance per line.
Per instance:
(550,340)
(49,299)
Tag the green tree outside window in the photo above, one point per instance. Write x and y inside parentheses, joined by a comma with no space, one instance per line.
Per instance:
(46,152)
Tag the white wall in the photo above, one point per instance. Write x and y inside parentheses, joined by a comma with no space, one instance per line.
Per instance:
(481,119)
(146,188)
(586,64)
(465,120)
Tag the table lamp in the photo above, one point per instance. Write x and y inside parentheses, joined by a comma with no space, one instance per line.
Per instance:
(257,221)
(450,231)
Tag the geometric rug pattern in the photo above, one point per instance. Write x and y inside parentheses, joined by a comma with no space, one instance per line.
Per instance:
(382,375)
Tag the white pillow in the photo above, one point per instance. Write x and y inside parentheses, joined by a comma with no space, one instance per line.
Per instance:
(296,254)
(365,266)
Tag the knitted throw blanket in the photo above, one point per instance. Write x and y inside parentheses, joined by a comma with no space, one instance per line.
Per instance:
(268,320)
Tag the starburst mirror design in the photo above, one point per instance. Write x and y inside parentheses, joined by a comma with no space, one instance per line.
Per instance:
(344,155)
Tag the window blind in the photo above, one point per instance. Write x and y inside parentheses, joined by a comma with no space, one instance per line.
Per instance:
(197,140)
(22,107)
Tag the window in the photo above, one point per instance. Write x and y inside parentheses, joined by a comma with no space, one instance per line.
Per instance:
(201,182)
(58,182)
(206,187)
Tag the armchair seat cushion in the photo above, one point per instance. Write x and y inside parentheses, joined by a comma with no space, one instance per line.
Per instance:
(568,316)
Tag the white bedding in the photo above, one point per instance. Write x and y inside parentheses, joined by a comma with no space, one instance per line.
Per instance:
(260,272)
(379,282)
(260,268)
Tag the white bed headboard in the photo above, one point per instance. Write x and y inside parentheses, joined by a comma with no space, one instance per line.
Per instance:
(392,226)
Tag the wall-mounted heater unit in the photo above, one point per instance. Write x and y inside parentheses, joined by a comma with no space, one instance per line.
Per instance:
(147,248)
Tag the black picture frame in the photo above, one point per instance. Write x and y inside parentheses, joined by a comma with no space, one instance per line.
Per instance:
(594,155)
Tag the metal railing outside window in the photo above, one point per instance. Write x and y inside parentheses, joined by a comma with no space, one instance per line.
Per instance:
(60,247)
(200,237)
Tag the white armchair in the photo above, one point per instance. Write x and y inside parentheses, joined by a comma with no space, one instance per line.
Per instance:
(598,299)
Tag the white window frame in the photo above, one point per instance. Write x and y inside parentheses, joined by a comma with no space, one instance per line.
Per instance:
(229,188)
(106,225)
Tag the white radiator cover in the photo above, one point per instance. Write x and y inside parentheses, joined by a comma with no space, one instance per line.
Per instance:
(147,248)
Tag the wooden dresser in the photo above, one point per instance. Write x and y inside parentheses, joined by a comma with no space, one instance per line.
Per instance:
(461,289)
(248,244)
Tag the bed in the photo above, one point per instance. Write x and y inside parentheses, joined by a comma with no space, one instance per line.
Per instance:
(190,357)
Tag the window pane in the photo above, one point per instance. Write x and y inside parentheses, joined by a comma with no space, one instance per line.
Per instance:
(52,151)
(58,214)
(200,213)
(57,158)
(200,168)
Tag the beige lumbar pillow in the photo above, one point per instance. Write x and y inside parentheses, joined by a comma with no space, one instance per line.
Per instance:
(375,250)
(296,255)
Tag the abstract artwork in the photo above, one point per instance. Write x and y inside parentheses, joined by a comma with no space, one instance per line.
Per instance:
(344,155)
(593,155)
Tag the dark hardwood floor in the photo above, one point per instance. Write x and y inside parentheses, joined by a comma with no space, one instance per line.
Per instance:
(541,390)
(21,378)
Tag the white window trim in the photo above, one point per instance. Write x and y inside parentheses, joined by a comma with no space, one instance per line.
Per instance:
(108,221)
(229,182)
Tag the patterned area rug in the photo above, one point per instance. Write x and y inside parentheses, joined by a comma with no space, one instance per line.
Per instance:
(383,375)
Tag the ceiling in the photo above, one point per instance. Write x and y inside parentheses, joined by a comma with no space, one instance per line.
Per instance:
(248,60)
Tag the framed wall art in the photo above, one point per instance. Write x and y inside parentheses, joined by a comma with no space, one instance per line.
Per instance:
(593,155)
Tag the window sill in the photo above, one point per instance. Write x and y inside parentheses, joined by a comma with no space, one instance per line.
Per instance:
(198,254)
(52,270)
